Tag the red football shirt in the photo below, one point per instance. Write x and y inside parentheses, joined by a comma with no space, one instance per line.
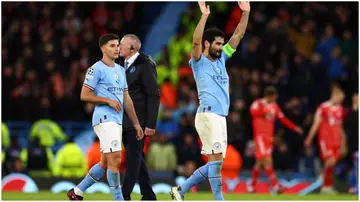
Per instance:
(331,120)
(264,116)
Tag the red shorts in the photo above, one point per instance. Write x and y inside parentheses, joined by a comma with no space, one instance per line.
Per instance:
(329,150)
(263,147)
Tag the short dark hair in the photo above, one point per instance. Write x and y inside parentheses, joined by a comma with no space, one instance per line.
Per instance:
(210,35)
(270,91)
(106,38)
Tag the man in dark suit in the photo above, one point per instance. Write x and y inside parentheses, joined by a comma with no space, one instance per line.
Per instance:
(142,84)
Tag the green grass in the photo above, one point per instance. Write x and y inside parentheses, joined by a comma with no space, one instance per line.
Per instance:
(43,195)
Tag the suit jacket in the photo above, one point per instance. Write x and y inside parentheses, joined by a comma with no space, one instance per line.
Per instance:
(144,91)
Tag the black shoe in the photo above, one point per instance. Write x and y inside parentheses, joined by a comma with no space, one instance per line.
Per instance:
(73,197)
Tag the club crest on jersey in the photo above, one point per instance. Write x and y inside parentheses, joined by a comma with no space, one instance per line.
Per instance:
(217,70)
(116,78)
(132,69)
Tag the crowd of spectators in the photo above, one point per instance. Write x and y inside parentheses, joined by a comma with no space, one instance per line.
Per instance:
(46,49)
(300,48)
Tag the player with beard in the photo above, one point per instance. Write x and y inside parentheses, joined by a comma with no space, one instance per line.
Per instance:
(212,83)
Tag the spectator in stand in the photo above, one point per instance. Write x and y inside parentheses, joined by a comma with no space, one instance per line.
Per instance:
(13,162)
(351,126)
(37,159)
(57,41)
(189,150)
(310,164)
(327,43)
(66,167)
(166,150)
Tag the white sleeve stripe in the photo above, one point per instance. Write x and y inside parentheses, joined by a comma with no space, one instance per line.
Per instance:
(88,86)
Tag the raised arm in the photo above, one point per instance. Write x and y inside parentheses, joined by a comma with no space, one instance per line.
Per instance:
(241,27)
(199,30)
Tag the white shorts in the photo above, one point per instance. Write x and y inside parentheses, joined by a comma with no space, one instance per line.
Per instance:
(212,132)
(110,136)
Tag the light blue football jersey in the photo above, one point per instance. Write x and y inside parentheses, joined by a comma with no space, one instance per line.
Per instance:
(212,82)
(109,82)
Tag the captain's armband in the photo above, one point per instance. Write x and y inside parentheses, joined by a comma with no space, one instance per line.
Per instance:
(228,50)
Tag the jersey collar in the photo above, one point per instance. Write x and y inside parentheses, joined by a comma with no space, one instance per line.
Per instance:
(132,59)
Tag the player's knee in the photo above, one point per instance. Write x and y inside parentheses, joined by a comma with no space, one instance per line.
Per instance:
(103,164)
(214,157)
(114,160)
(114,163)
(330,162)
(267,162)
(258,163)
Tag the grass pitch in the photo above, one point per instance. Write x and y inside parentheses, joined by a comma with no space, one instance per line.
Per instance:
(48,196)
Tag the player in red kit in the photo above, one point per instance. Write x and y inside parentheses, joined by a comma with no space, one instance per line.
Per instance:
(264,112)
(331,139)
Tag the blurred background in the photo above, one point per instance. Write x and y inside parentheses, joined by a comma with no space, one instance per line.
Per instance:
(303,49)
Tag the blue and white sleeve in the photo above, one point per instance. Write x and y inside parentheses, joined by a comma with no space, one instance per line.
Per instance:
(193,64)
(92,77)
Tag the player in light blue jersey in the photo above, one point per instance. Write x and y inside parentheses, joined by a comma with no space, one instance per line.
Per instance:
(105,86)
(212,83)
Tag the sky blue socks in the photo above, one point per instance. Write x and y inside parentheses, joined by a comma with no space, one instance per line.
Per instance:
(212,171)
(214,175)
(115,186)
(197,177)
(95,172)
